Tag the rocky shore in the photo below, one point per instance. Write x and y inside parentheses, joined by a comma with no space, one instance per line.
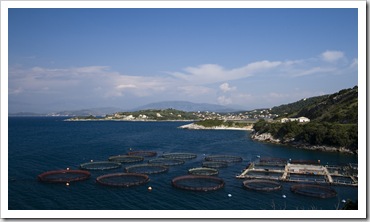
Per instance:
(267,137)
(194,126)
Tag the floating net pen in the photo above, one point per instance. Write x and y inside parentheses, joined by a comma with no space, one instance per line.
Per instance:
(313,190)
(142,153)
(123,179)
(64,176)
(166,162)
(181,156)
(214,164)
(203,171)
(198,183)
(126,159)
(146,169)
(224,158)
(100,165)
(262,185)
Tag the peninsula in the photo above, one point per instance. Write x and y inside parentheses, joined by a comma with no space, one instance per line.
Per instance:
(214,124)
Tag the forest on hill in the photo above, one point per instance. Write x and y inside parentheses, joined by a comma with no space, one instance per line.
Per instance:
(333,121)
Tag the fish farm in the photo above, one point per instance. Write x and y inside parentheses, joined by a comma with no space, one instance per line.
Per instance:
(303,171)
(265,174)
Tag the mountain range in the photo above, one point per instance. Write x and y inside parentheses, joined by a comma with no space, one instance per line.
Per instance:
(178,105)
(186,106)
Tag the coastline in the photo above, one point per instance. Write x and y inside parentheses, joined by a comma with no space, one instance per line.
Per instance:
(193,126)
(268,138)
(126,120)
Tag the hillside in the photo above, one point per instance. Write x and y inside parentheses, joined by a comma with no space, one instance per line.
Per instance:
(292,109)
(340,107)
(333,123)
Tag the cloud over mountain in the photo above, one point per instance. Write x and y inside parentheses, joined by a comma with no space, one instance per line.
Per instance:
(203,83)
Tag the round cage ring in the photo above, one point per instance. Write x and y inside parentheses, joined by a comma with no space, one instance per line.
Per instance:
(123,179)
(64,176)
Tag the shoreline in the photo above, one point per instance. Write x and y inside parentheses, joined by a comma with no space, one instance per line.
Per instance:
(193,126)
(268,138)
(126,120)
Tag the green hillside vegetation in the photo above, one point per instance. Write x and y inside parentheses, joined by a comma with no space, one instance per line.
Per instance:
(292,109)
(340,107)
(334,121)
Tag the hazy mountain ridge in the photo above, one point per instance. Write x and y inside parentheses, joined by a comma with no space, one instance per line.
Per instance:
(186,106)
(102,111)
(177,105)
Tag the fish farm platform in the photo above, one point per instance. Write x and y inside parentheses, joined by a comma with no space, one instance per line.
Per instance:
(297,172)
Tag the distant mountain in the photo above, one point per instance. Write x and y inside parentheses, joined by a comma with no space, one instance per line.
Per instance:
(26,114)
(186,106)
(87,112)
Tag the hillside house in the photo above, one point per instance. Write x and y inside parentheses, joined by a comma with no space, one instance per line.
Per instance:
(301,119)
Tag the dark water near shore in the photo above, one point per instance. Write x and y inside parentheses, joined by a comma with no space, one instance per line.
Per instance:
(40,144)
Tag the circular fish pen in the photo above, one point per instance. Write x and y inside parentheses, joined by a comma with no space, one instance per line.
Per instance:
(262,185)
(64,176)
(313,190)
(181,156)
(203,171)
(224,158)
(214,164)
(198,183)
(100,165)
(142,153)
(123,179)
(146,169)
(166,162)
(126,159)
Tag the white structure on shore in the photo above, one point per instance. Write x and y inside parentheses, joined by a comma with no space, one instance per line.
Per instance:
(301,119)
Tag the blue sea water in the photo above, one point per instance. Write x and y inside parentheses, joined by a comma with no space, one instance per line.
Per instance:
(39,144)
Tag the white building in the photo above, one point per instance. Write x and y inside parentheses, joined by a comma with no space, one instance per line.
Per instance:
(301,119)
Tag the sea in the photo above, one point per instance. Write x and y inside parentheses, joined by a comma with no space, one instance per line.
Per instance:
(40,144)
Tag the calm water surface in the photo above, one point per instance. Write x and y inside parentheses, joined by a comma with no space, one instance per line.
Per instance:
(41,144)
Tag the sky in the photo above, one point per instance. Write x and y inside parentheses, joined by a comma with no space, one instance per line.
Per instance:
(71,59)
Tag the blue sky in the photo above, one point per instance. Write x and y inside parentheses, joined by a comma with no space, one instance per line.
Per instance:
(69,59)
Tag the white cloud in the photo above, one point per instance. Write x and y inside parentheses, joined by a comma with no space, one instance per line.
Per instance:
(15,91)
(89,81)
(126,86)
(223,100)
(225,87)
(332,56)
(354,63)
(213,73)
(315,70)
(202,83)
(91,69)
(194,90)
